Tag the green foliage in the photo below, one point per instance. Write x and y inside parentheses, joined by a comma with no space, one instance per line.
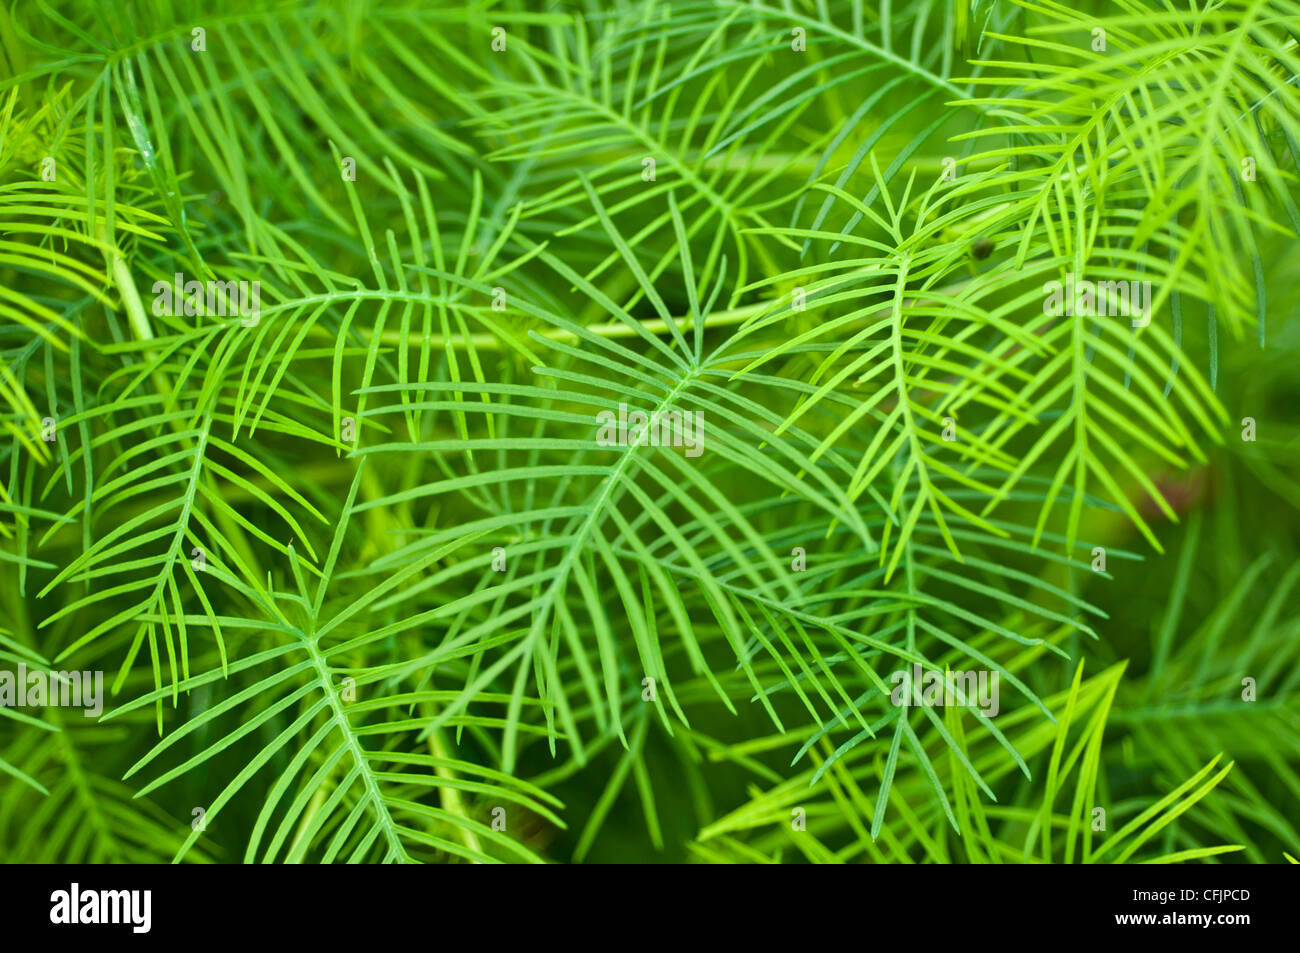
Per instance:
(369,584)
